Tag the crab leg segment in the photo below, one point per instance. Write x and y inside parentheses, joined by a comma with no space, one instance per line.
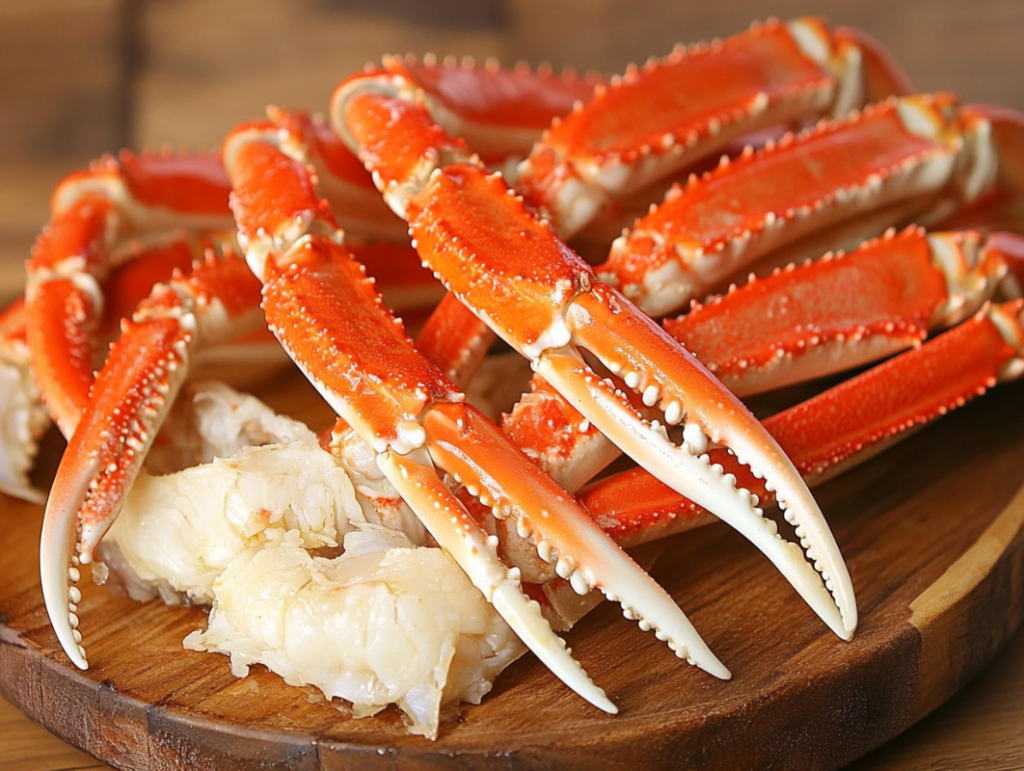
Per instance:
(543,300)
(901,287)
(843,311)
(455,340)
(143,373)
(634,507)
(906,392)
(550,430)
(842,181)
(800,323)
(501,112)
(706,96)
(94,213)
(664,116)
(841,427)
(332,322)
(998,133)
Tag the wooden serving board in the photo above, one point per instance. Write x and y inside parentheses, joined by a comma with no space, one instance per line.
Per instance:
(933,532)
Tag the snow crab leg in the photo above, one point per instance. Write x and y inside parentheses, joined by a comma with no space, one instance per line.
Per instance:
(534,292)
(331,321)
(918,158)
(95,213)
(693,104)
(842,426)
(884,297)
(500,111)
(708,96)
(845,310)
(133,392)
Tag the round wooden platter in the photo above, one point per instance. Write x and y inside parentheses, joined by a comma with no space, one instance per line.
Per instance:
(933,532)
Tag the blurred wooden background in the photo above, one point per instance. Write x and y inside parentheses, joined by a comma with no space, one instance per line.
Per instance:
(83,77)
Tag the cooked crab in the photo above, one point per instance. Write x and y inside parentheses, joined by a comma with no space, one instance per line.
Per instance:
(615,378)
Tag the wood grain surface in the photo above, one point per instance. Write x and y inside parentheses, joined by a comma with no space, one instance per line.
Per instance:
(933,535)
(980,729)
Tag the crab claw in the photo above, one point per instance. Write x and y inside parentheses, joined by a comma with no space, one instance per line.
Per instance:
(545,302)
(129,401)
(690,396)
(332,322)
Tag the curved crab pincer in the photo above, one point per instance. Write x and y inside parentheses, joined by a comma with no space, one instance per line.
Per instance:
(513,272)
(133,392)
(329,318)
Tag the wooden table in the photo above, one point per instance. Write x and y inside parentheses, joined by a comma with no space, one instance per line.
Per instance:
(981,728)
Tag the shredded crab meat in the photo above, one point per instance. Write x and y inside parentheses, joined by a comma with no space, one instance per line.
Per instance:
(183,529)
(384,623)
(388,621)
(212,420)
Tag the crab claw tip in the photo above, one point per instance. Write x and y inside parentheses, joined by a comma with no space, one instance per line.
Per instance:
(59,593)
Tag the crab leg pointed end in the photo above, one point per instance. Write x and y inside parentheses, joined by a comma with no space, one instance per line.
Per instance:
(661,374)
(59,573)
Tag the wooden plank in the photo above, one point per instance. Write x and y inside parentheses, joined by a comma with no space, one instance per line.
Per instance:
(64,102)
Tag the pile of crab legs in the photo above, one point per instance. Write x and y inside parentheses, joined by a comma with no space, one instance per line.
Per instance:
(821,146)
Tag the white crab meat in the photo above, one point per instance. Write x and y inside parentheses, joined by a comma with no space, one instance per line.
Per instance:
(384,623)
(389,621)
(180,531)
